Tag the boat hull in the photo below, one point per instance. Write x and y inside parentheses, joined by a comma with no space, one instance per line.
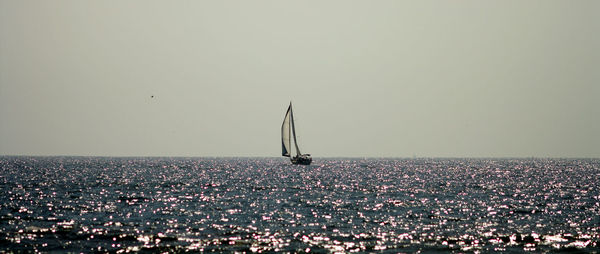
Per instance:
(303,159)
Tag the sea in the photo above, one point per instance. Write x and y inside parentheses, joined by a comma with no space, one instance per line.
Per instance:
(335,205)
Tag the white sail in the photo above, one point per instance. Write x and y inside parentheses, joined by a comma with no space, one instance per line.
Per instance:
(294,130)
(285,133)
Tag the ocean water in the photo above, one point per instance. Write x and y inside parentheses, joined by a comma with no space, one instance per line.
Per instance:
(81,204)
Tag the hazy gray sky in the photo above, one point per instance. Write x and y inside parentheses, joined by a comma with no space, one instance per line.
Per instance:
(367,78)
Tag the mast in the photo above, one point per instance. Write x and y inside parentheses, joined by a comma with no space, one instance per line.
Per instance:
(294,130)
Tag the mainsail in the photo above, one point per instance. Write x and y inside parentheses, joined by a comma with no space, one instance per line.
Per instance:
(285,133)
(294,130)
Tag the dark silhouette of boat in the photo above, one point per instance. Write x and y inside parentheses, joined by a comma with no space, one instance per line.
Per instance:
(288,130)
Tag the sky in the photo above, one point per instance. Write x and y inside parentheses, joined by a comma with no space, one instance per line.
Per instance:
(367,78)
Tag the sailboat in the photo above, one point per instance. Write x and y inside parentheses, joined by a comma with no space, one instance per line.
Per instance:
(288,130)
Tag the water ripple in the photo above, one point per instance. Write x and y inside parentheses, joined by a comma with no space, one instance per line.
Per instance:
(80,204)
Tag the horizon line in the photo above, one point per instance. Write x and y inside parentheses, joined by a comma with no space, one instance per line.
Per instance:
(323,157)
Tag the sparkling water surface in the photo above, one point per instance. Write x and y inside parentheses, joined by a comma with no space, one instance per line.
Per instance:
(81,204)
